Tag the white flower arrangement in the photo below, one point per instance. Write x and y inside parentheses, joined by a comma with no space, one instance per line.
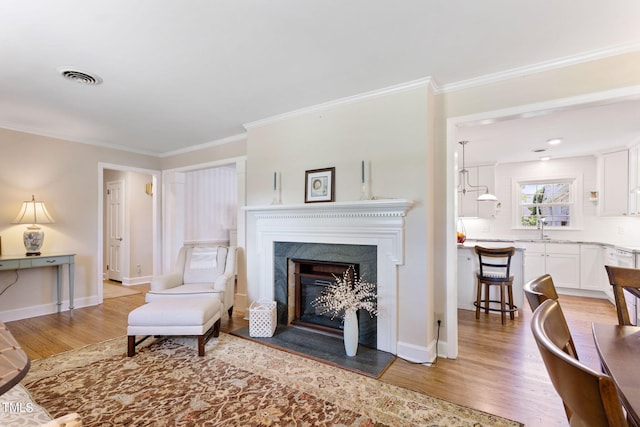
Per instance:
(348,294)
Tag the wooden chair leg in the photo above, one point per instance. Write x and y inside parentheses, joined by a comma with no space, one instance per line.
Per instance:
(478,298)
(511,304)
(131,345)
(201,345)
(487,297)
(502,306)
(216,328)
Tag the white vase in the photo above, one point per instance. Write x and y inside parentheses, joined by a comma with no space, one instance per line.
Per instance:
(351,332)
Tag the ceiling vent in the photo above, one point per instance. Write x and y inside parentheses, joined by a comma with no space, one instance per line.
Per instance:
(81,77)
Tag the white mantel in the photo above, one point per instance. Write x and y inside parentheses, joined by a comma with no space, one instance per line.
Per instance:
(378,223)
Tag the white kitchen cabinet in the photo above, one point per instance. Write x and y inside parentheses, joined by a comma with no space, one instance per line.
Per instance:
(634,180)
(593,276)
(466,277)
(560,260)
(534,265)
(613,171)
(468,206)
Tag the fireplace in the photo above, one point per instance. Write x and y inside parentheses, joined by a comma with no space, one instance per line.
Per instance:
(311,278)
(284,281)
(377,224)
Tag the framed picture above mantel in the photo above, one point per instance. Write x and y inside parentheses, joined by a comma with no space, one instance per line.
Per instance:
(319,185)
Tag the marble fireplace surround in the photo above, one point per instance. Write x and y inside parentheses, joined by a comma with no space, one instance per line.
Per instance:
(378,223)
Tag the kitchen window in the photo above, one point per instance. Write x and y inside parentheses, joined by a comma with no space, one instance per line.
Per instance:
(555,200)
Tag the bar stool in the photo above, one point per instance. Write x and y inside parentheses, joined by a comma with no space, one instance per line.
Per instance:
(495,266)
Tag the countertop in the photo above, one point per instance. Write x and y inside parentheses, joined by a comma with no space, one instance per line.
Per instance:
(471,242)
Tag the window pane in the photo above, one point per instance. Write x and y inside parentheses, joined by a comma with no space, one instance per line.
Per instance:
(551,200)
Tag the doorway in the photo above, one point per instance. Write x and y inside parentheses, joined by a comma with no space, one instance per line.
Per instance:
(128,225)
(454,135)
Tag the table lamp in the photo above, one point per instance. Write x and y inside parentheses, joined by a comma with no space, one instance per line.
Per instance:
(33,213)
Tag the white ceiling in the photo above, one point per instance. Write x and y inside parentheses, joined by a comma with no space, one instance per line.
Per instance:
(184,73)
(585,130)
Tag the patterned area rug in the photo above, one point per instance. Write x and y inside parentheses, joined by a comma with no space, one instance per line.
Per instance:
(236,383)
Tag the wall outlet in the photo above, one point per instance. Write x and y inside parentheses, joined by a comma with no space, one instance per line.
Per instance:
(439,318)
(138,269)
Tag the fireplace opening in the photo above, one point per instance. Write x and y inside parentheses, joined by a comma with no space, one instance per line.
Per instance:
(311,278)
(362,257)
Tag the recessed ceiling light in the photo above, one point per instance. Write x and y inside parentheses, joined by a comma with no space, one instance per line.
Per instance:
(545,158)
(79,76)
(554,141)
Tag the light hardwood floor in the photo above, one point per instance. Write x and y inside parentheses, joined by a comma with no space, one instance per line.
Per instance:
(498,369)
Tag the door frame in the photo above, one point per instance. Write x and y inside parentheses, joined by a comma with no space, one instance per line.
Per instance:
(156,239)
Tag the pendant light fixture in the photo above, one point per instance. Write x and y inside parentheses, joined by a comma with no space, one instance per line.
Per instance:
(465,186)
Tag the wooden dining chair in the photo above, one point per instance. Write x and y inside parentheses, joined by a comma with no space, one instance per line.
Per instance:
(621,278)
(538,291)
(495,269)
(590,398)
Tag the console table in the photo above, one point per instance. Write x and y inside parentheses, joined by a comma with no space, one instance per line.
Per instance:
(18,262)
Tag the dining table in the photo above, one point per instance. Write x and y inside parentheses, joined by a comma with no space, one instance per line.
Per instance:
(619,351)
(14,362)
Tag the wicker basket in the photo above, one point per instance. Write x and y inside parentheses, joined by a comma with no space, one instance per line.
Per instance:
(262,318)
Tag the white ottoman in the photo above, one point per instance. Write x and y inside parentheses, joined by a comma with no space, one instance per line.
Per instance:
(180,316)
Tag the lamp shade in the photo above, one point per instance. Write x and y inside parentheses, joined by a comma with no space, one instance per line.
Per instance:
(487,197)
(33,212)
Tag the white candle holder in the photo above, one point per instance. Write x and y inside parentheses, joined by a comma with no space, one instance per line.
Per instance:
(365,190)
(365,194)
(277,190)
(277,200)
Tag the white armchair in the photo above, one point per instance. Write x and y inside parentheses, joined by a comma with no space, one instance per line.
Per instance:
(200,271)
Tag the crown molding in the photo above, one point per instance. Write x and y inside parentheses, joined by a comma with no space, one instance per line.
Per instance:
(210,144)
(426,82)
(540,67)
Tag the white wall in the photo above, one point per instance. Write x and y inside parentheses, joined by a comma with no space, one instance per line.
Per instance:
(64,175)
(391,133)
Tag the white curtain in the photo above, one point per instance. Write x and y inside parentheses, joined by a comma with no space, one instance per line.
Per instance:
(210,204)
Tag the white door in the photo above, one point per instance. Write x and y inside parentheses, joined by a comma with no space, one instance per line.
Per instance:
(115,222)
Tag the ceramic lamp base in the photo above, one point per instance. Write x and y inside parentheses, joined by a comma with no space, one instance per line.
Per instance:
(33,239)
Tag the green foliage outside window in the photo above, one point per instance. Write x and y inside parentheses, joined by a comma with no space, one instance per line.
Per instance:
(549,200)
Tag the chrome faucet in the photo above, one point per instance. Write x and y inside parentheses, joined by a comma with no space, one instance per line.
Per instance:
(541,222)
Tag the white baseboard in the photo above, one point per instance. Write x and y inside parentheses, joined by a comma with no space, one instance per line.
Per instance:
(415,353)
(42,309)
(129,281)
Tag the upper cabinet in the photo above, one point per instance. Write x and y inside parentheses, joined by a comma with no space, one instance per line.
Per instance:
(614,183)
(634,180)
(468,206)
